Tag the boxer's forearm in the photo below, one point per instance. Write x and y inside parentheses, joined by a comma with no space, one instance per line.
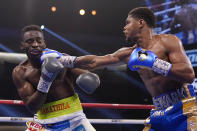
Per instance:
(35,101)
(91,62)
(86,62)
(182,72)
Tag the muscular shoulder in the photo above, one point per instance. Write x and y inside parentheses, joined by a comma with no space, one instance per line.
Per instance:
(170,42)
(168,37)
(126,49)
(19,70)
(124,53)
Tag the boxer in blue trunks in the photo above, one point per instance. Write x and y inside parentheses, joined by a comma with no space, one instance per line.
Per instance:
(163,66)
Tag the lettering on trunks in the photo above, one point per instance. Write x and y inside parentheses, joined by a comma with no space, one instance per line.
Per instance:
(168,99)
(53,108)
(34,126)
(158,113)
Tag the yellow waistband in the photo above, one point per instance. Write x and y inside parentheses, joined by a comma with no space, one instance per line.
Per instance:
(61,107)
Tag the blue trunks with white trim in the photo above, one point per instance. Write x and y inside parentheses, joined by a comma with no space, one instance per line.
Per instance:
(174,111)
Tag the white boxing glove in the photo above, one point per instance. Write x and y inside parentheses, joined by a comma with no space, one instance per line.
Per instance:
(50,68)
(66,60)
(88,82)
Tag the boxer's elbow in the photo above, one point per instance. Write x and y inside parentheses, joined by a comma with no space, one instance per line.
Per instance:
(183,74)
(190,77)
(31,108)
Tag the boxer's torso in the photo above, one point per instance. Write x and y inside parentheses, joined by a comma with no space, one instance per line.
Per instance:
(156,83)
(60,88)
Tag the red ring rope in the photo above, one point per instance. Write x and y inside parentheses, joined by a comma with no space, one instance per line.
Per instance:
(92,105)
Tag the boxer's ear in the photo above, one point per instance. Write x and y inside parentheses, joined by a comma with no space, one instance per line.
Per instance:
(141,23)
(22,46)
(45,44)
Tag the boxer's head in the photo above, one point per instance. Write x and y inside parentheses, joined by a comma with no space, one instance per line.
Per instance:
(137,20)
(32,41)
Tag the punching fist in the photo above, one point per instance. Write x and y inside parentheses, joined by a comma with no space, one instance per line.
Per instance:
(141,58)
(66,60)
(146,58)
(49,53)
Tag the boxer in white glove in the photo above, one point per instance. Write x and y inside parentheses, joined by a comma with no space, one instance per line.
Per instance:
(66,60)
(50,68)
(88,82)
(46,87)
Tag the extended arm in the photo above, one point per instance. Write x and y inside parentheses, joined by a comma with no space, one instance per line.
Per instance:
(91,62)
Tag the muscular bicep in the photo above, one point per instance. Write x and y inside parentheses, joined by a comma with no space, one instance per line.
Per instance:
(181,70)
(24,88)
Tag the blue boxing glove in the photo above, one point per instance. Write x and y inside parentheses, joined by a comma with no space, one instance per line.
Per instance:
(145,58)
(132,59)
(141,58)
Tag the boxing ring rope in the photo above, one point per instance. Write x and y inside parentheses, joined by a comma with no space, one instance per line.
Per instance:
(92,105)
(163,4)
(168,29)
(85,105)
(165,20)
(167,10)
(93,121)
(165,31)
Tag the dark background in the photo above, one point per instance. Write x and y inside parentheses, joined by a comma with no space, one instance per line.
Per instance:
(100,35)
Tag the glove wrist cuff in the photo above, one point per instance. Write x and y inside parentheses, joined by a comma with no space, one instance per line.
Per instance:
(161,67)
(68,61)
(43,85)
